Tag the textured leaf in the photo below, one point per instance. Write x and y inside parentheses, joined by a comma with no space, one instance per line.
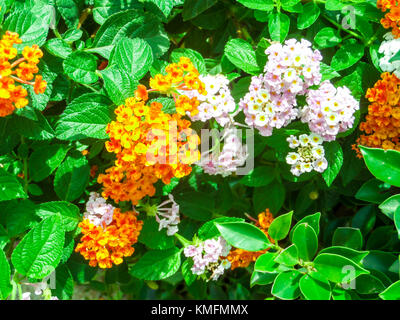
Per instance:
(5,275)
(85,117)
(69,213)
(157,265)
(39,252)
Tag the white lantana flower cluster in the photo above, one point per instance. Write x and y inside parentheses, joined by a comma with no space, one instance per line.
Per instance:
(225,162)
(217,104)
(209,256)
(98,211)
(170,216)
(389,48)
(309,154)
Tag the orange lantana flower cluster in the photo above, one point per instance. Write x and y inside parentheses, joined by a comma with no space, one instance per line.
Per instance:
(382,124)
(107,246)
(392,18)
(21,70)
(149,145)
(180,76)
(240,258)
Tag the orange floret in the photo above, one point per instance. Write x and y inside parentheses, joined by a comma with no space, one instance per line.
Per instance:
(392,18)
(109,245)
(21,70)
(240,258)
(382,123)
(149,145)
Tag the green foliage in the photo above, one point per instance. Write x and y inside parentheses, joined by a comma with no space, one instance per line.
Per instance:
(334,235)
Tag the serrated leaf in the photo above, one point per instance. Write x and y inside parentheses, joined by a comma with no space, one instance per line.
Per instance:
(68,212)
(39,252)
(85,117)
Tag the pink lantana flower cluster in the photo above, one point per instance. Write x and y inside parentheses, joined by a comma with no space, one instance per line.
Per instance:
(291,69)
(98,211)
(217,103)
(225,162)
(329,110)
(209,257)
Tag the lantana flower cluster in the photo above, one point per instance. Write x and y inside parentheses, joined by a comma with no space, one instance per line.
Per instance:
(209,257)
(389,48)
(392,18)
(309,154)
(108,245)
(291,70)
(14,69)
(217,103)
(240,258)
(149,145)
(226,161)
(180,77)
(329,110)
(382,123)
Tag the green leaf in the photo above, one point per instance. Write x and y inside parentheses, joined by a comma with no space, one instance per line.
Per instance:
(280,226)
(119,84)
(19,216)
(85,117)
(10,187)
(242,55)
(187,274)
(373,191)
(81,67)
(327,38)
(348,237)
(156,265)
(5,275)
(315,287)
(278,26)
(244,236)
(288,257)
(334,156)
(209,229)
(68,212)
(39,252)
(396,219)
(347,55)
(259,176)
(192,8)
(31,25)
(286,285)
(134,56)
(263,5)
(312,220)
(105,8)
(271,196)
(383,164)
(44,160)
(69,11)
(309,15)
(266,263)
(153,238)
(306,241)
(354,255)
(368,284)
(391,293)
(72,177)
(131,24)
(261,278)
(196,205)
(390,205)
(58,47)
(64,287)
(336,268)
